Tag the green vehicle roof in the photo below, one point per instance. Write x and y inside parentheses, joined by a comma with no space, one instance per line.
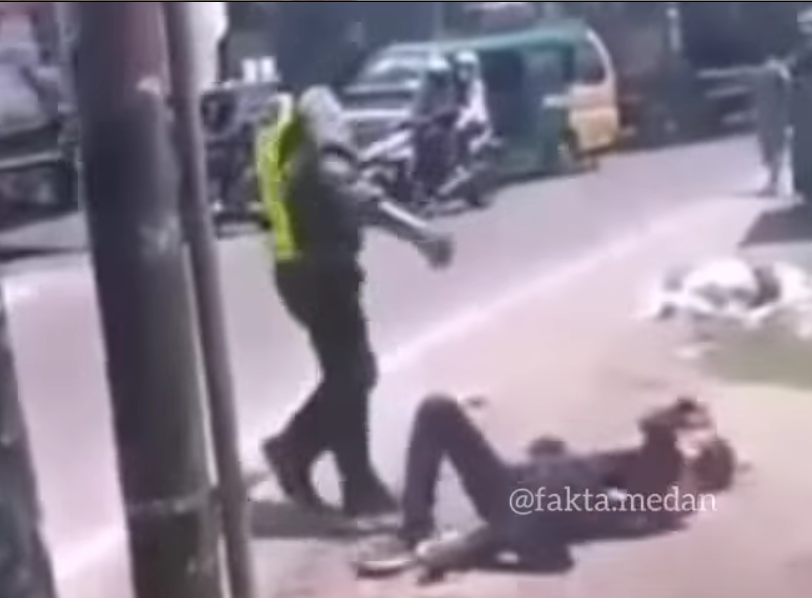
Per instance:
(559,33)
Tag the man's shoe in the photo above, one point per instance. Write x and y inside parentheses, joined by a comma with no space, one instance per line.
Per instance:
(386,558)
(293,476)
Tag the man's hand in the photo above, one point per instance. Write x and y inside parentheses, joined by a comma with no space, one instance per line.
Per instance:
(439,251)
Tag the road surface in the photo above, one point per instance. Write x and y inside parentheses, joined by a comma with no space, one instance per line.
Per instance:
(534,229)
(553,360)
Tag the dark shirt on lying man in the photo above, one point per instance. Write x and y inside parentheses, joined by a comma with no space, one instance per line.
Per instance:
(527,509)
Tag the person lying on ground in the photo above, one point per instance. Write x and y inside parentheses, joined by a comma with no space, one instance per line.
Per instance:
(540,539)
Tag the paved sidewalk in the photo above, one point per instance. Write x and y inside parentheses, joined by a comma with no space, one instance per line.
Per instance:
(562,356)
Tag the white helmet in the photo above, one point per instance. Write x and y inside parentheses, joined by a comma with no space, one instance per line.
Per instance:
(468,65)
(467,59)
(438,65)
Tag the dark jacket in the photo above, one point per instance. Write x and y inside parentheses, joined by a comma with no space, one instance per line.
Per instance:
(561,513)
(576,489)
(325,199)
(325,194)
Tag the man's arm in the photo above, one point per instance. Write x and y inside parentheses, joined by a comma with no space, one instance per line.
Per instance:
(374,209)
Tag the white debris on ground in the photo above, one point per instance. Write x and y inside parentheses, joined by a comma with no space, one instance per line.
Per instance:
(731,295)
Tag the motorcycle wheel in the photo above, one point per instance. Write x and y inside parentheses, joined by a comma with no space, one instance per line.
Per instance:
(481,196)
(568,155)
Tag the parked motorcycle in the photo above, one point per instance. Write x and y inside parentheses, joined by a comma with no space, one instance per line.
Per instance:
(428,184)
(231,116)
(390,164)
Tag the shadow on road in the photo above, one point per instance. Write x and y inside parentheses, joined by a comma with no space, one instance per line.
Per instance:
(769,360)
(12,255)
(278,521)
(544,560)
(553,566)
(15,219)
(788,225)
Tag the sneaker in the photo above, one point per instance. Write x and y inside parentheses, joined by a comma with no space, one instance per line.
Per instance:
(386,558)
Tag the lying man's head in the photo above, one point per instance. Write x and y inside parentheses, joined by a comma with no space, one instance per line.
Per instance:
(708,461)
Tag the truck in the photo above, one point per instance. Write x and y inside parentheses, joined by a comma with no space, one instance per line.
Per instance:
(36,159)
(684,67)
(39,157)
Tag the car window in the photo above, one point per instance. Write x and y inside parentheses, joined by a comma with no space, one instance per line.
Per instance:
(549,65)
(589,64)
(394,98)
(394,69)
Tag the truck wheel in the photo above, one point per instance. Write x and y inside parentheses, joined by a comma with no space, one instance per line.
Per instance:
(480,199)
(569,157)
(484,189)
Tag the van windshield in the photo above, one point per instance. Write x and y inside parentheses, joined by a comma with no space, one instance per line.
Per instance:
(401,69)
(390,98)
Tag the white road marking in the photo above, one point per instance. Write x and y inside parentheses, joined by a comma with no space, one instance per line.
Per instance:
(73,562)
(20,288)
(16,294)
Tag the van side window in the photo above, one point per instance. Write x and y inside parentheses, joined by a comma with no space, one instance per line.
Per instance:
(589,65)
(549,65)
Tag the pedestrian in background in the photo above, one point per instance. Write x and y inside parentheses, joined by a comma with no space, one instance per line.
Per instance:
(801,100)
(771,94)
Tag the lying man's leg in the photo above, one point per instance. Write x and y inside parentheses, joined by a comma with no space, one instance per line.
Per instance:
(442,430)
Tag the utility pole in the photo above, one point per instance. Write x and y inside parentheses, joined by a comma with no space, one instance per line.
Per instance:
(211,321)
(25,565)
(140,259)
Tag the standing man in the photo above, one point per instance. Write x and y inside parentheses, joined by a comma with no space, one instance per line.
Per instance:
(771,94)
(474,123)
(801,69)
(317,203)
(436,135)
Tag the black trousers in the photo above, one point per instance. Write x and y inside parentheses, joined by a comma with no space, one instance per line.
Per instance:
(443,431)
(802,137)
(326,301)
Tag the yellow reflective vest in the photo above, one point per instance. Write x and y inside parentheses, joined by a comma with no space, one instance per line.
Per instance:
(273,173)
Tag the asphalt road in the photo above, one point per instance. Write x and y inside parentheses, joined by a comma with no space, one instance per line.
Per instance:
(534,228)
